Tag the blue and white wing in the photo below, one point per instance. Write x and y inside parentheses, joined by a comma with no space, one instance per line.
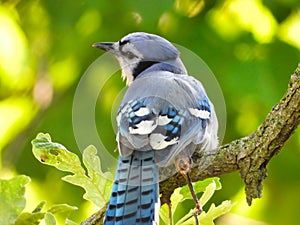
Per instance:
(171,118)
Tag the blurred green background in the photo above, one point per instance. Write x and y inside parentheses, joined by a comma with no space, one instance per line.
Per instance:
(252,46)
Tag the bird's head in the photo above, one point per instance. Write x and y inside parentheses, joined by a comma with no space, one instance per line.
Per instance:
(138,51)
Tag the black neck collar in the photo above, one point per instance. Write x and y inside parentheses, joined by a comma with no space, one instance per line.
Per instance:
(142,66)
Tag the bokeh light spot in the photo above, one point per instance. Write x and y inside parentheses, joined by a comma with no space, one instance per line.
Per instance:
(13,46)
(189,8)
(289,31)
(89,22)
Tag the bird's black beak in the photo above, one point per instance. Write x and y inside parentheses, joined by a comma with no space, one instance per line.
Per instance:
(106,46)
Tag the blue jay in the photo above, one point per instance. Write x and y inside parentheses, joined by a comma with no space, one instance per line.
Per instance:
(164,114)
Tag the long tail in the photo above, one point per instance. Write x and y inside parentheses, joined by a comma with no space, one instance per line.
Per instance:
(135,191)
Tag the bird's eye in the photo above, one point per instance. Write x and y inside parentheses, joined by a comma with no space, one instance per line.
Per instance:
(130,55)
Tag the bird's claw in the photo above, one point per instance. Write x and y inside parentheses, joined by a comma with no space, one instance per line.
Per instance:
(184,167)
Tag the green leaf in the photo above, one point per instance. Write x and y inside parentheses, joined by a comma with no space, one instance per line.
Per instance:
(97,185)
(209,217)
(27,218)
(176,199)
(187,219)
(55,154)
(35,217)
(50,219)
(39,207)
(200,186)
(214,212)
(208,193)
(208,187)
(164,214)
(70,222)
(61,208)
(12,201)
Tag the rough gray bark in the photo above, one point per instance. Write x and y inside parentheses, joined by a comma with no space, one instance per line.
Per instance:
(249,155)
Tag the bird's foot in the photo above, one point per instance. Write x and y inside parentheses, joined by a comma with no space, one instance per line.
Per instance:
(184,167)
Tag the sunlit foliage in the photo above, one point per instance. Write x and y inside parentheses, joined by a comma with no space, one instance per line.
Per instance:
(252,46)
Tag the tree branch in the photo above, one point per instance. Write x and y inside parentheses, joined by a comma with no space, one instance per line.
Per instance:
(250,155)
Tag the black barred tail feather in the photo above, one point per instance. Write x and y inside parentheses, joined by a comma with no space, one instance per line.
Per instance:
(135,191)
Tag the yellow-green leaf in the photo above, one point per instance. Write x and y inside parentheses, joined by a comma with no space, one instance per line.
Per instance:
(97,185)
(12,201)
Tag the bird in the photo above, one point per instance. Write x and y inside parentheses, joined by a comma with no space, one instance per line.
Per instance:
(164,115)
